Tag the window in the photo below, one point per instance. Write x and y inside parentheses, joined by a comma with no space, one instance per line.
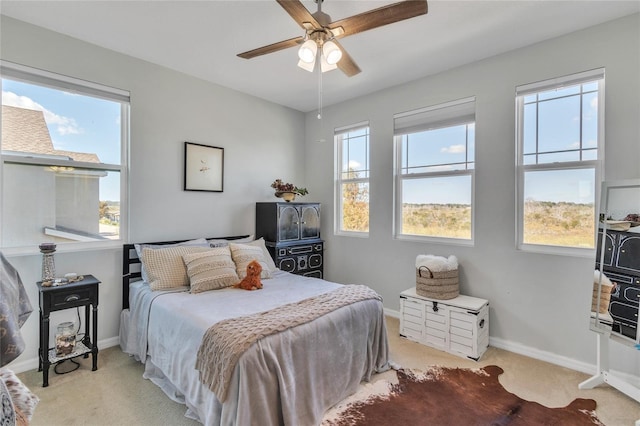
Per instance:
(434,172)
(559,146)
(63,160)
(352,180)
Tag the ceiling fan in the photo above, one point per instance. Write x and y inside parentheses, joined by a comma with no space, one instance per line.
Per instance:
(321,34)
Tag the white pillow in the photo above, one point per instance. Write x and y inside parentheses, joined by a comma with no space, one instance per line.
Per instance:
(221,242)
(165,266)
(210,270)
(243,254)
(200,242)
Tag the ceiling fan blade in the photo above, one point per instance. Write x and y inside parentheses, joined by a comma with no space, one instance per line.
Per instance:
(381,16)
(299,13)
(346,64)
(271,48)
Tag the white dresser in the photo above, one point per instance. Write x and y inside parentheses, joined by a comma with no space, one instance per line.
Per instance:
(459,326)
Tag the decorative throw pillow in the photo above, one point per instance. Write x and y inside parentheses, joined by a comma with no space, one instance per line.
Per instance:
(200,242)
(243,254)
(267,257)
(210,270)
(165,267)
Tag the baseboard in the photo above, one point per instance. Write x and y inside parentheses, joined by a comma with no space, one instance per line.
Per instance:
(549,357)
(392,313)
(555,359)
(32,364)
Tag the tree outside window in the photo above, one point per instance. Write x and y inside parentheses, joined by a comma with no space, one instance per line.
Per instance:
(352,180)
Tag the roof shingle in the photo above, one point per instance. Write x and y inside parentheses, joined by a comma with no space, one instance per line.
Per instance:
(25,130)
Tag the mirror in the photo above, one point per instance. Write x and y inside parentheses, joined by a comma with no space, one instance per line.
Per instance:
(616,286)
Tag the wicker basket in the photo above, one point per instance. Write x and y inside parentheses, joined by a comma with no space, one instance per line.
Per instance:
(437,285)
(605,297)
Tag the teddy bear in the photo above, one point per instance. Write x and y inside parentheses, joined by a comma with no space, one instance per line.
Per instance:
(252,280)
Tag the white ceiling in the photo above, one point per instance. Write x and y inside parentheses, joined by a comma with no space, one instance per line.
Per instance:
(202,38)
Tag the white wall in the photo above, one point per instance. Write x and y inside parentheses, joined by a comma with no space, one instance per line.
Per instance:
(539,303)
(262,142)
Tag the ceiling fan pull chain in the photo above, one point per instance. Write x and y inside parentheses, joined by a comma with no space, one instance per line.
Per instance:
(319,94)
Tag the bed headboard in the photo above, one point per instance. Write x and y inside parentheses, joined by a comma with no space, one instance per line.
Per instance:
(131,267)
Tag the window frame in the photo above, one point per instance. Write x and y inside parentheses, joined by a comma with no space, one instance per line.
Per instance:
(339,180)
(399,178)
(591,76)
(39,77)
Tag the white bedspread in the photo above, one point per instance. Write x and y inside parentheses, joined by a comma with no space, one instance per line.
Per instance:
(288,378)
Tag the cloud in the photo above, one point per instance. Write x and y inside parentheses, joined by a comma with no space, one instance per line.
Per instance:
(64,125)
(453,149)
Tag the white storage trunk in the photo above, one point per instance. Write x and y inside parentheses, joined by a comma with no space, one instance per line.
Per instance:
(459,326)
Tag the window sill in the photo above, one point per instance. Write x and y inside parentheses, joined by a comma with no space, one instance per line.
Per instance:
(558,251)
(435,240)
(351,234)
(63,248)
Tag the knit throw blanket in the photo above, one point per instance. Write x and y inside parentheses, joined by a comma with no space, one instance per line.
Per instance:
(224,342)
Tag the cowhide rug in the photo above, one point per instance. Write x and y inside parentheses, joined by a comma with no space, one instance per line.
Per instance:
(451,396)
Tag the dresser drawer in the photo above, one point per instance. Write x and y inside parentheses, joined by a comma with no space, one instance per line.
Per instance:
(632,294)
(71,298)
(624,313)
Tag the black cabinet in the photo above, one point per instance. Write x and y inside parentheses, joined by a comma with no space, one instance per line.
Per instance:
(292,235)
(288,222)
(628,253)
(621,264)
(302,259)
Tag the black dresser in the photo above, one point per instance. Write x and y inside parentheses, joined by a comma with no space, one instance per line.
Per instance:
(292,235)
(621,264)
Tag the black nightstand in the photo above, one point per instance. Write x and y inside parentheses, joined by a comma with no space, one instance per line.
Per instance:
(65,296)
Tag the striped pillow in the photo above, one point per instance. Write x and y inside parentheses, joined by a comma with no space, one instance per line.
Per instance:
(165,267)
(211,270)
(243,254)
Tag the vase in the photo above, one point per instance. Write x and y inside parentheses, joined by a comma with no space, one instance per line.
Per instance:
(48,262)
(287,196)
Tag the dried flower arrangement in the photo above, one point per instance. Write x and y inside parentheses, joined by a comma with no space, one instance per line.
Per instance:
(280,187)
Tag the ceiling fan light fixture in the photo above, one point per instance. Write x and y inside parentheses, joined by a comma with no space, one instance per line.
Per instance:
(331,52)
(325,65)
(306,65)
(307,52)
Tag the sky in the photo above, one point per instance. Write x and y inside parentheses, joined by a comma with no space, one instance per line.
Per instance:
(552,127)
(86,124)
(76,123)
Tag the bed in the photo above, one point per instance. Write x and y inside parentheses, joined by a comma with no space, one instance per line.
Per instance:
(288,377)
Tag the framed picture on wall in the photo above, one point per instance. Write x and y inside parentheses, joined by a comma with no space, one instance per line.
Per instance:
(203,167)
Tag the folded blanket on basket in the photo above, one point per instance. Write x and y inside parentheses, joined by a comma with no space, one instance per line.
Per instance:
(437,263)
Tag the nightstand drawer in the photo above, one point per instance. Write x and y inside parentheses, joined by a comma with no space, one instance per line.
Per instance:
(71,298)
